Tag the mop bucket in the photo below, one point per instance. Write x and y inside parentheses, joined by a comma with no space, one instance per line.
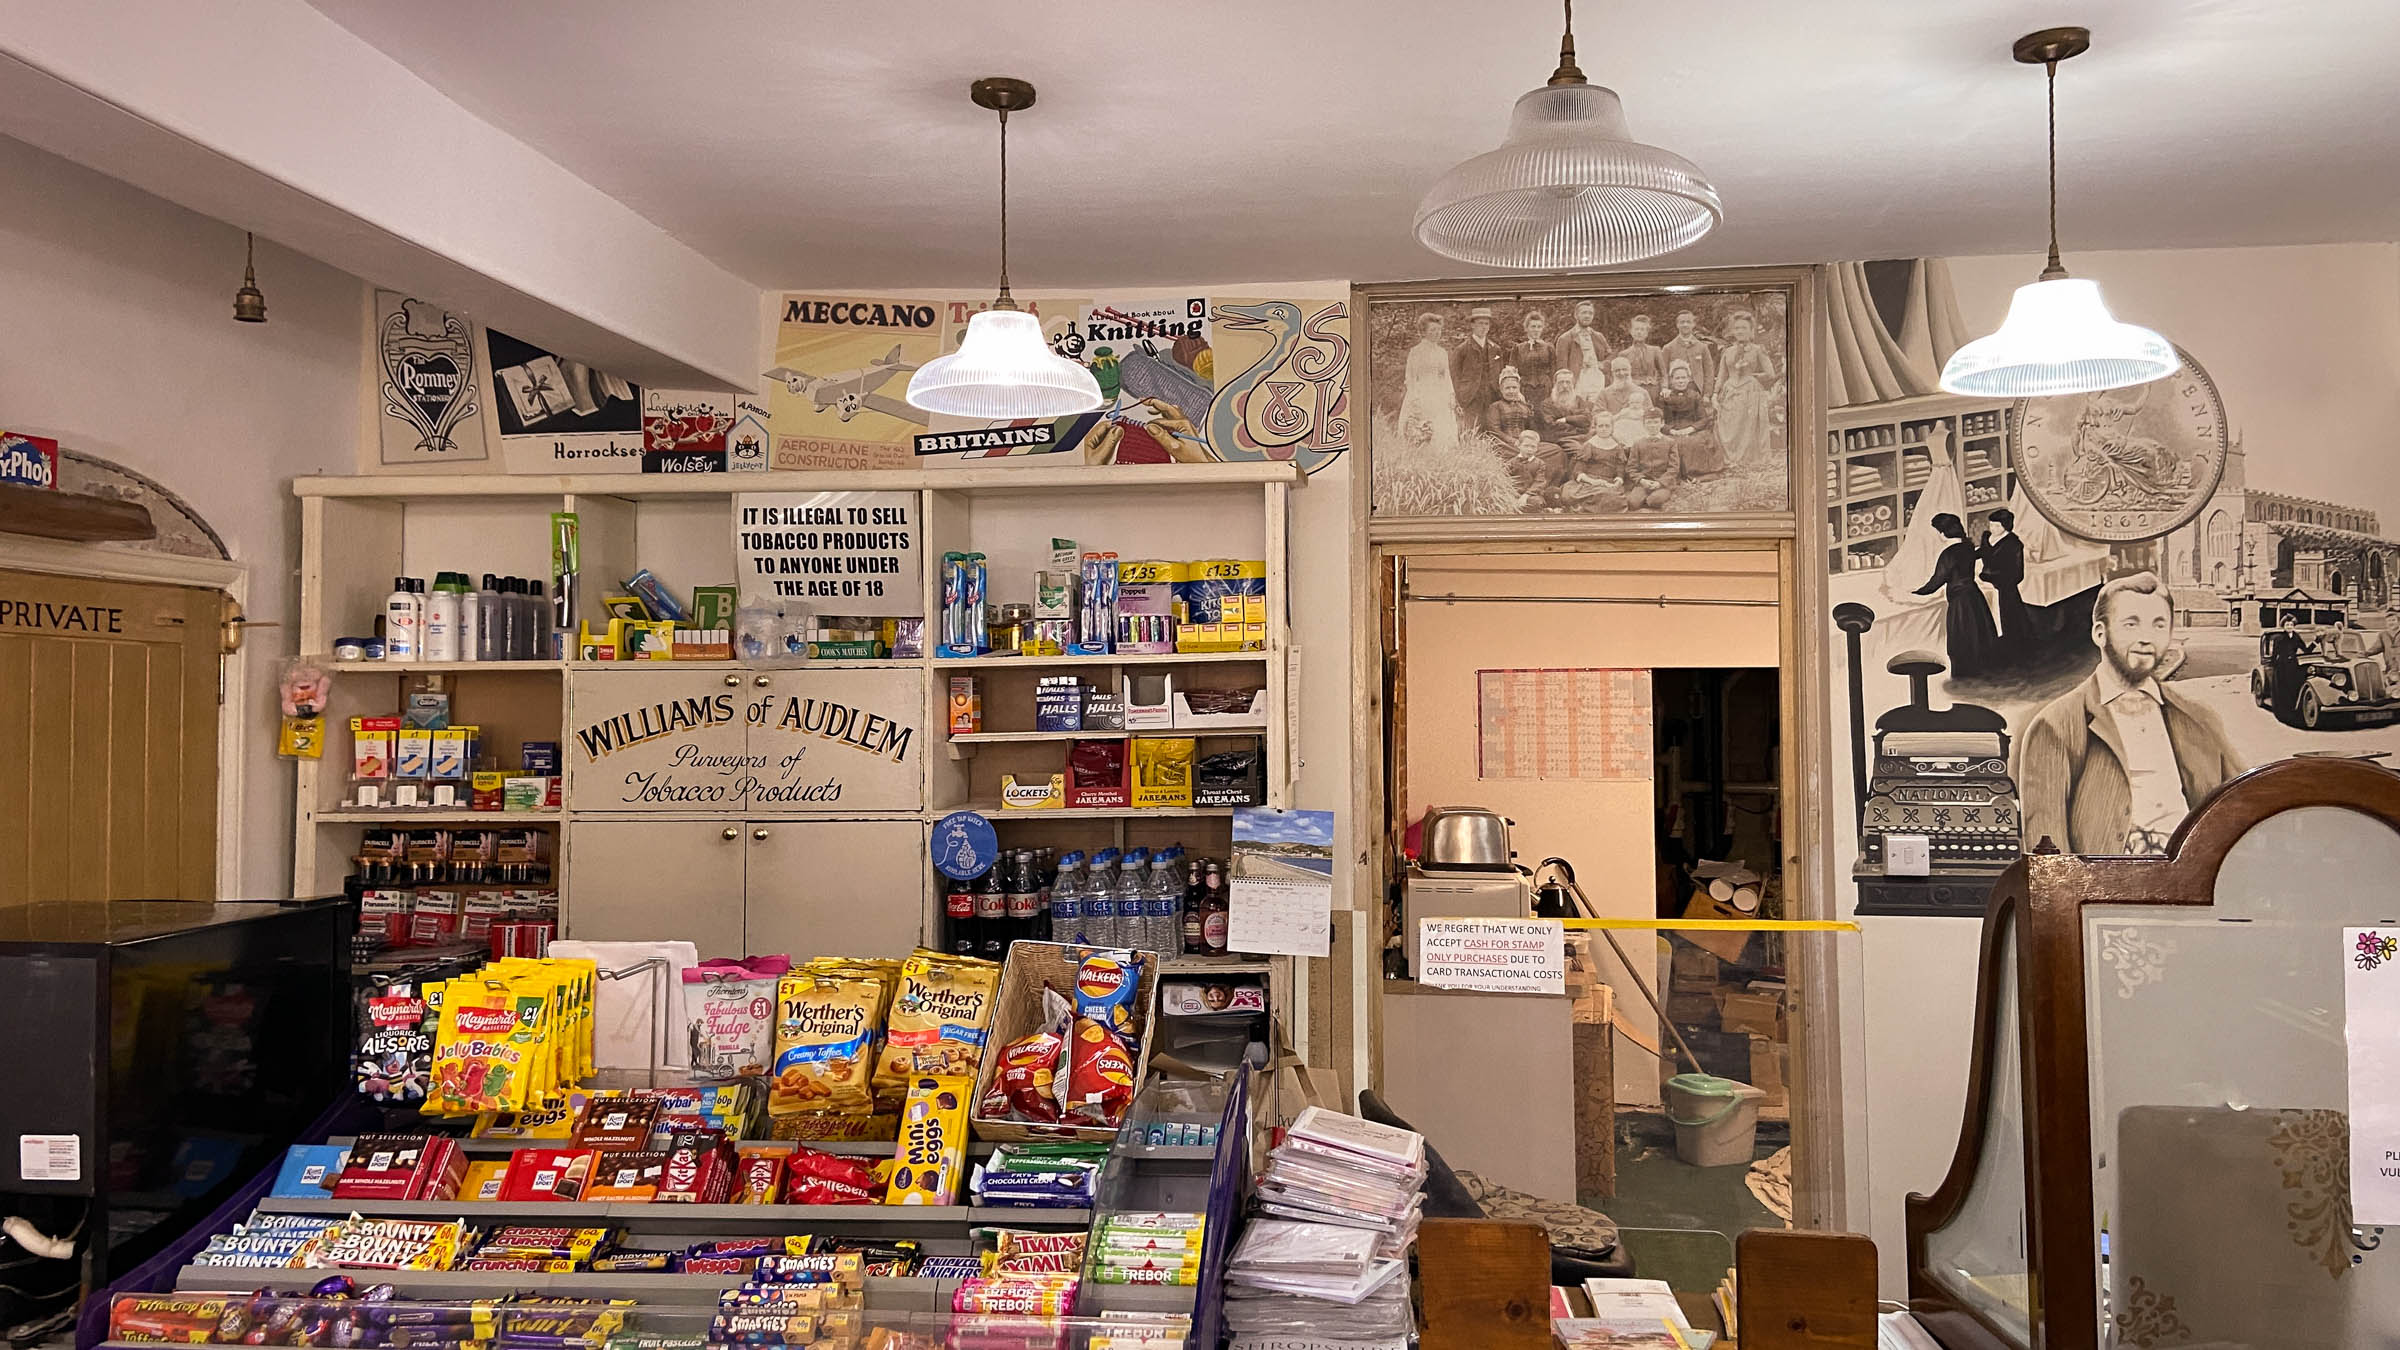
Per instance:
(1716,1119)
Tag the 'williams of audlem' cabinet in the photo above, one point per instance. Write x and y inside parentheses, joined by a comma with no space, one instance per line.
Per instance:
(730,795)
(787,742)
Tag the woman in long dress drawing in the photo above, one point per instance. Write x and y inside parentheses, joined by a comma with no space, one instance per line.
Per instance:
(1745,396)
(1967,627)
(1428,404)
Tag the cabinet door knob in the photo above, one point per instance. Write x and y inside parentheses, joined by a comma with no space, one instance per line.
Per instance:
(733,681)
(732,833)
(762,681)
(758,834)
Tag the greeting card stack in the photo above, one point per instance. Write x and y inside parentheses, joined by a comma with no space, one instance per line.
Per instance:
(1323,1261)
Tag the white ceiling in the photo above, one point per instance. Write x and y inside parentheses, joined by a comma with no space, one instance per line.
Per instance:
(832,144)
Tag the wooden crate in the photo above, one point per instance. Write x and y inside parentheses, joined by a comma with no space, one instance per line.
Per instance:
(1017,1012)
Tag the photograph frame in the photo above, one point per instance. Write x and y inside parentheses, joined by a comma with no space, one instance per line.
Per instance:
(1377,388)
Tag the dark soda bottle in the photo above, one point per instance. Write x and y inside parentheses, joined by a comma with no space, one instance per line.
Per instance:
(991,912)
(1024,899)
(1194,941)
(958,907)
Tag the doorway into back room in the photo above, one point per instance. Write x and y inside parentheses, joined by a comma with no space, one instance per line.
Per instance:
(1619,710)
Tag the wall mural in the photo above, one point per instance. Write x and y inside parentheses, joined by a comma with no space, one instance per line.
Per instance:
(2070,617)
(1184,377)
(555,414)
(426,360)
(1573,400)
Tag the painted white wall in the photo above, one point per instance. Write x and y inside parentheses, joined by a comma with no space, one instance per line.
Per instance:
(2304,346)
(120,342)
(268,113)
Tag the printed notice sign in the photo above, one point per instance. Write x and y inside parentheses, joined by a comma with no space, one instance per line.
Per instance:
(838,553)
(49,1157)
(2371,1021)
(1501,956)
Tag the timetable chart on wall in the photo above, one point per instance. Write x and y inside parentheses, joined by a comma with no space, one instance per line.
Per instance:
(1563,723)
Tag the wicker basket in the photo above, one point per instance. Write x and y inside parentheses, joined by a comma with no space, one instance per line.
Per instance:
(1017,1012)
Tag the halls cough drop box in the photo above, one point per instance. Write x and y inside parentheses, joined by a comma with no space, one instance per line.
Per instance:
(1017,1012)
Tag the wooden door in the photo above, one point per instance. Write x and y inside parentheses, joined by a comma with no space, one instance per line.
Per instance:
(834,887)
(639,880)
(108,739)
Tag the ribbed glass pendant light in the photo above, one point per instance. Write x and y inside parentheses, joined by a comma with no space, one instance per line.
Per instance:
(1003,369)
(2059,337)
(1569,187)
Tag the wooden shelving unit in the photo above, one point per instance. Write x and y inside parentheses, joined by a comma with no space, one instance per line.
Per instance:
(806,876)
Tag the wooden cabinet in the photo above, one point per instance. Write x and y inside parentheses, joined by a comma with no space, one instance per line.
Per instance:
(636,880)
(836,887)
(809,888)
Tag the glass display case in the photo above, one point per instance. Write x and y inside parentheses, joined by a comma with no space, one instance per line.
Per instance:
(2156,1149)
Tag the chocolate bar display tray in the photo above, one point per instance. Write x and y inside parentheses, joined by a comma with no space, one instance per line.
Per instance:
(648,1216)
(884,1293)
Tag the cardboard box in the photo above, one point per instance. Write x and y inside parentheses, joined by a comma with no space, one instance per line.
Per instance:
(1756,1014)
(1116,794)
(1255,715)
(1033,792)
(1149,701)
(1163,795)
(1017,1012)
(1766,1069)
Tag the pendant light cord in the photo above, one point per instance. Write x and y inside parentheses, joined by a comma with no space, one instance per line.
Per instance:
(1568,72)
(1005,301)
(2053,272)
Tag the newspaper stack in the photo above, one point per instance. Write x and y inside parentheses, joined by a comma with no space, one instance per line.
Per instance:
(1322,1262)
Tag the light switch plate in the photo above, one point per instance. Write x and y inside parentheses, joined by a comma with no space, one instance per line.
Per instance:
(1907,855)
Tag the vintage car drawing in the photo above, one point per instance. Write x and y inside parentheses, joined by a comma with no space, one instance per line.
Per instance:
(2323,678)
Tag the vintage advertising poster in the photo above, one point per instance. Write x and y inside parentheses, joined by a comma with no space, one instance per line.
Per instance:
(964,440)
(839,382)
(1282,369)
(425,358)
(1157,377)
(1151,358)
(558,415)
(685,430)
(832,552)
(746,445)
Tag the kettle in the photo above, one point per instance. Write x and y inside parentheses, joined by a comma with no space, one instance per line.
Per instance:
(1467,838)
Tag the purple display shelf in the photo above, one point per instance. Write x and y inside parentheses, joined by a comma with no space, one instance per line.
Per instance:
(349,1115)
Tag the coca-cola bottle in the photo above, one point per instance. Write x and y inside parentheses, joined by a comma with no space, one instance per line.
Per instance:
(991,912)
(1024,900)
(958,907)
